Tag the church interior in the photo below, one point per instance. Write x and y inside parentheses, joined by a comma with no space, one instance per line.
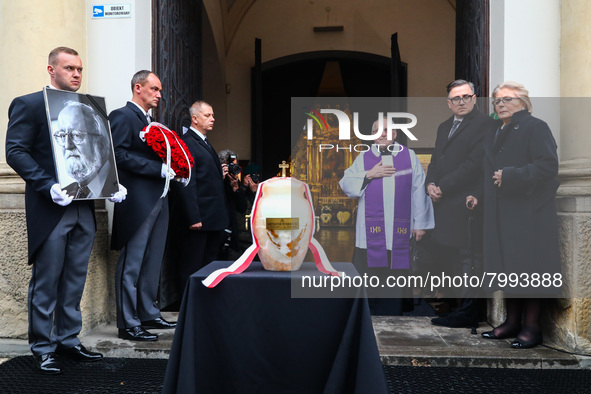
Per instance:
(271,51)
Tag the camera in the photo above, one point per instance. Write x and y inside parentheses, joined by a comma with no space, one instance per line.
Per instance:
(233,168)
(256,178)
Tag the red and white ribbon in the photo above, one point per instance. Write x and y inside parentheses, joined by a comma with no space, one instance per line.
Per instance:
(320,257)
(159,127)
(244,261)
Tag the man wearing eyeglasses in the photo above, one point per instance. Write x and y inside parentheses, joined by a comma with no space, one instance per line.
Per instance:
(83,136)
(60,231)
(454,171)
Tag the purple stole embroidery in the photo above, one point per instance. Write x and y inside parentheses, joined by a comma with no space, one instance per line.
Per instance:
(377,253)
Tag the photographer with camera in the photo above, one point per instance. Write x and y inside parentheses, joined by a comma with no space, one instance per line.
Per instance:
(236,198)
(251,180)
(229,162)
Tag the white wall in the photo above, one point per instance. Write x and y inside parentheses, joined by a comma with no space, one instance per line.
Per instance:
(525,47)
(116,49)
(497,43)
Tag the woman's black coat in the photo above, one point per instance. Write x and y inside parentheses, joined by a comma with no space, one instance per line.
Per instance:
(520,221)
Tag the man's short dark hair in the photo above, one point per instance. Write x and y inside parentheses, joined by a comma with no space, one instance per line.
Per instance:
(56,51)
(226,155)
(141,77)
(460,82)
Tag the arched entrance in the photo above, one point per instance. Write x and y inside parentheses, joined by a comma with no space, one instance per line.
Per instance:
(178,54)
(312,74)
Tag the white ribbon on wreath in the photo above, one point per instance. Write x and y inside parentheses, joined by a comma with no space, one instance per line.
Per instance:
(159,127)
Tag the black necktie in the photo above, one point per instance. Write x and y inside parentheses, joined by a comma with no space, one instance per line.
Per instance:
(454,127)
(208,144)
(83,192)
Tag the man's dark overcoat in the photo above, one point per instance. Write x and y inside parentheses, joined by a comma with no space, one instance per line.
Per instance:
(139,169)
(202,200)
(455,167)
(29,153)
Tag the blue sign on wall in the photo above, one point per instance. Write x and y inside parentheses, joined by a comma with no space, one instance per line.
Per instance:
(98,11)
(111,11)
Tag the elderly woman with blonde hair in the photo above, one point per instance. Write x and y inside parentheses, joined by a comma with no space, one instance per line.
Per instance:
(518,190)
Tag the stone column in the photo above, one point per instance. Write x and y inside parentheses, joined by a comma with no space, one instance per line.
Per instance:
(568,323)
(30,29)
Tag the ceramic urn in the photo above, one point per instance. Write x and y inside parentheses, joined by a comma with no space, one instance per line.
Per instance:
(283,223)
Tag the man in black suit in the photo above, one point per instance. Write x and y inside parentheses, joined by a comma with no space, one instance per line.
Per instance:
(453,172)
(140,223)
(60,232)
(200,209)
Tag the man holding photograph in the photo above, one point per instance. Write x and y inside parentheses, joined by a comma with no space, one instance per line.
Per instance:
(60,231)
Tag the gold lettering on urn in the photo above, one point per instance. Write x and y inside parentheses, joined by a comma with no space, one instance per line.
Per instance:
(276,224)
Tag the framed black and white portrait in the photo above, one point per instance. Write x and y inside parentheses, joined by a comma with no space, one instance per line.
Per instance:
(82,144)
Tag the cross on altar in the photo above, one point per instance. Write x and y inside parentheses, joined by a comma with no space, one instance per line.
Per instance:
(284,167)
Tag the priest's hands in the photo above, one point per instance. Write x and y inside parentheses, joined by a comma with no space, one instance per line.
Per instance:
(380,171)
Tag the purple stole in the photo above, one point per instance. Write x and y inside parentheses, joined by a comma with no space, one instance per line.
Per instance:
(377,253)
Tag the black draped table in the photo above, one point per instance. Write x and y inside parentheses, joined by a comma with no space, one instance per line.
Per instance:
(248,335)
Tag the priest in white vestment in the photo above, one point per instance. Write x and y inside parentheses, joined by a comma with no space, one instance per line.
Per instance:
(374,181)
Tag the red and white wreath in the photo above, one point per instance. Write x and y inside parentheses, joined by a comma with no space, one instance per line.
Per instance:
(171,149)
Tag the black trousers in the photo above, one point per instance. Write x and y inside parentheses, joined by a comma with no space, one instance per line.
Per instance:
(199,248)
(464,263)
(383,301)
(57,282)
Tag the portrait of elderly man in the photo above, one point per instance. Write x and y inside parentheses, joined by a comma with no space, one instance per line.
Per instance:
(86,147)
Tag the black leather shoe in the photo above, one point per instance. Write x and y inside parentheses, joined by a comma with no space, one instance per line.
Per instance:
(454,321)
(491,334)
(158,324)
(47,363)
(79,353)
(442,306)
(136,334)
(523,344)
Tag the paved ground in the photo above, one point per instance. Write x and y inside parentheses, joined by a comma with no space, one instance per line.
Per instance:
(402,341)
(414,341)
